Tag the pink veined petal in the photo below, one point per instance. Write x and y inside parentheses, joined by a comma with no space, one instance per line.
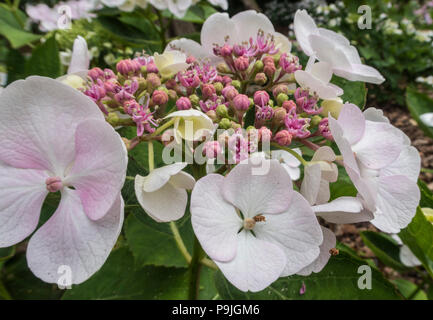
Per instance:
(215,30)
(99,169)
(352,122)
(168,203)
(296,231)
(38,117)
(80,60)
(214,220)
(311,184)
(249,22)
(22,194)
(380,145)
(396,203)
(69,238)
(343,210)
(257,264)
(265,188)
(304,26)
(329,242)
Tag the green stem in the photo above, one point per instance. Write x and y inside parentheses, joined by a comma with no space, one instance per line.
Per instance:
(195,270)
(179,242)
(151,156)
(163,127)
(292,152)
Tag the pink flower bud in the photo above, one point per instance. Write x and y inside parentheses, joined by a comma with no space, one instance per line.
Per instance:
(268,60)
(265,134)
(128,66)
(226,80)
(212,149)
(109,74)
(151,67)
(153,80)
(54,184)
(190,59)
(281,88)
(269,70)
(111,86)
(131,106)
(183,103)
(289,105)
(230,92)
(95,73)
(261,98)
(208,90)
(242,63)
(324,129)
(241,102)
(283,138)
(159,97)
(226,50)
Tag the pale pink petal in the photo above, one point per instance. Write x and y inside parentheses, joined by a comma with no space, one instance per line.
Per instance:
(80,60)
(352,121)
(407,164)
(343,210)
(158,177)
(70,239)
(38,120)
(329,242)
(360,72)
(396,203)
(99,168)
(322,71)
(296,231)
(266,188)
(311,183)
(324,192)
(22,194)
(215,221)
(257,264)
(376,115)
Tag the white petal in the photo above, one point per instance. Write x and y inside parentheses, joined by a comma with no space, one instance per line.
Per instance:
(157,178)
(408,258)
(215,30)
(296,231)
(427,119)
(215,221)
(360,72)
(70,239)
(311,183)
(373,114)
(304,26)
(249,22)
(352,121)
(282,43)
(265,188)
(396,203)
(183,180)
(80,60)
(407,164)
(257,264)
(329,242)
(343,210)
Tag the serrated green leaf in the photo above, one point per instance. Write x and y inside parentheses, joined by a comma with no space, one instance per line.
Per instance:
(118,279)
(153,243)
(338,280)
(418,236)
(418,104)
(354,91)
(45,60)
(385,249)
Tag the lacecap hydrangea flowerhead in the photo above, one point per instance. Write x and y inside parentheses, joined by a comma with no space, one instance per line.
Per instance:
(237,110)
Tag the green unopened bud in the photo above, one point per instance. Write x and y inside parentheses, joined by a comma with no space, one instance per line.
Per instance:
(260,79)
(162,88)
(315,120)
(218,87)
(235,125)
(142,84)
(194,99)
(281,98)
(212,114)
(223,68)
(236,84)
(143,70)
(172,95)
(279,116)
(258,66)
(271,103)
(225,123)
(250,128)
(222,111)
(276,58)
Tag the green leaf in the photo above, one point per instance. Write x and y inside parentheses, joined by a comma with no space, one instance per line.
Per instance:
(344,187)
(153,243)
(338,280)
(426,195)
(418,104)
(195,14)
(22,284)
(142,24)
(385,248)
(250,117)
(45,60)
(7,253)
(418,236)
(407,288)
(354,91)
(12,30)
(16,65)
(118,279)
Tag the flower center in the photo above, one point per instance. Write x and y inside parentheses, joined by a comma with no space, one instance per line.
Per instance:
(249,223)
(54,184)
